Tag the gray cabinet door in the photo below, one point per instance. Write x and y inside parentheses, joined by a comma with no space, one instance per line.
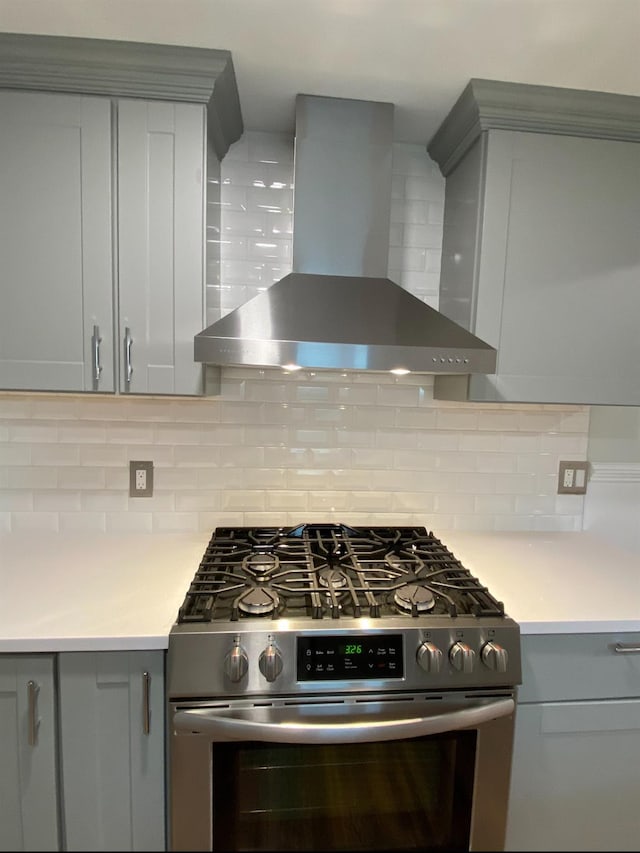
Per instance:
(112,750)
(575,781)
(161,173)
(541,258)
(28,775)
(56,280)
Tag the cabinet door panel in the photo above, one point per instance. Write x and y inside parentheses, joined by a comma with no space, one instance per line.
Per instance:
(28,779)
(161,237)
(113,770)
(575,782)
(55,242)
(548,274)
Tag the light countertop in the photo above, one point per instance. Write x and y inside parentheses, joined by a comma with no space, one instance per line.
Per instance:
(73,592)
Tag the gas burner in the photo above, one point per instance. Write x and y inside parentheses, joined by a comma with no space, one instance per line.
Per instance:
(260,563)
(259,601)
(404,561)
(332,578)
(413,596)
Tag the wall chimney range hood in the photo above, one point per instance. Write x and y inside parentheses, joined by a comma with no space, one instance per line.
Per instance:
(338,310)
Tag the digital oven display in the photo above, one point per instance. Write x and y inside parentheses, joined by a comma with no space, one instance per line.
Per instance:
(328,658)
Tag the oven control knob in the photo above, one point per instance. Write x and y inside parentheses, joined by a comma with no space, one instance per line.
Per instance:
(270,663)
(494,656)
(429,657)
(236,664)
(462,657)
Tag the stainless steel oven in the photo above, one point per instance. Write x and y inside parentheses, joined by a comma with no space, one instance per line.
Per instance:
(348,716)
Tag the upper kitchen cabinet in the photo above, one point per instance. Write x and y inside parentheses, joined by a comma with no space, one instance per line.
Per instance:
(541,244)
(56,278)
(104,147)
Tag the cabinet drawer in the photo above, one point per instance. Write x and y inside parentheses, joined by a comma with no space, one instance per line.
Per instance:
(559,667)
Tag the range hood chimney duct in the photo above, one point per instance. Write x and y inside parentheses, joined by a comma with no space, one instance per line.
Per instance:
(337,309)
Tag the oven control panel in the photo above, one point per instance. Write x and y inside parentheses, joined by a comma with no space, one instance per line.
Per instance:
(462,653)
(344,656)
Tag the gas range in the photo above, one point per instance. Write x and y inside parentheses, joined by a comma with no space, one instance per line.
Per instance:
(329,607)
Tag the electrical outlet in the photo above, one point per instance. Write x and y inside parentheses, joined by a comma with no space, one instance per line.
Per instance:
(140,479)
(572,478)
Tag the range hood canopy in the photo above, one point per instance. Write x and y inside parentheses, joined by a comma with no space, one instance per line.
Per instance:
(337,310)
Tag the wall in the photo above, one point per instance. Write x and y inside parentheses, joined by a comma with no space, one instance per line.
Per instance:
(612,503)
(280,448)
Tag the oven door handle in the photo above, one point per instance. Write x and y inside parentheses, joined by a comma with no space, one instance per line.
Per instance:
(300,724)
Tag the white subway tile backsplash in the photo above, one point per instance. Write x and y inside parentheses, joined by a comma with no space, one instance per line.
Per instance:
(262,435)
(199,500)
(32,432)
(356,395)
(355,438)
(84,432)
(104,501)
(498,462)
(568,446)
(328,501)
(35,521)
(424,236)
(15,454)
(374,502)
(57,500)
(35,477)
(414,460)
(82,522)
(174,434)
(200,456)
(15,500)
(534,504)
(450,504)
(398,394)
(410,212)
(103,455)
(159,502)
(286,500)
(174,522)
(419,502)
(364,457)
(81,477)
(243,501)
(128,522)
(493,504)
(459,418)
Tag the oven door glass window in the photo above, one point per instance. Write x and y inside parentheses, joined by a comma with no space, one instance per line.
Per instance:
(394,795)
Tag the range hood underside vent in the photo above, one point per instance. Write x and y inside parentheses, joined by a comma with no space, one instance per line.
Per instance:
(342,323)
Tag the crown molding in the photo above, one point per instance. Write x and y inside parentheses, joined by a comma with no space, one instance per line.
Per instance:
(494,104)
(122,69)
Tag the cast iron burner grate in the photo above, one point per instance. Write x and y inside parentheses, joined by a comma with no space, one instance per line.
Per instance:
(331,571)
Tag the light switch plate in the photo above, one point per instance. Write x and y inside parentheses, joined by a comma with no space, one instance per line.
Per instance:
(572,478)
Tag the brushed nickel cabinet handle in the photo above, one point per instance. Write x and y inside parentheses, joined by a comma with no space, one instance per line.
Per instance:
(626,649)
(127,355)
(146,704)
(32,698)
(96,340)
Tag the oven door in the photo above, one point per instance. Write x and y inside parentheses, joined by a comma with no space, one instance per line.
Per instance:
(365,773)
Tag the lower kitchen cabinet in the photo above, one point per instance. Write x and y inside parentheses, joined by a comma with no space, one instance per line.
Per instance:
(112,750)
(575,779)
(28,772)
